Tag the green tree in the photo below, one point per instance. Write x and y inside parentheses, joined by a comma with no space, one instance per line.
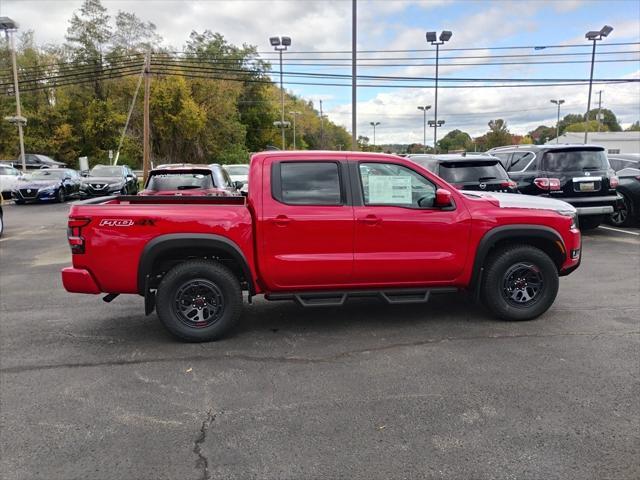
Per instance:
(133,35)
(542,134)
(568,120)
(455,140)
(609,119)
(498,134)
(590,126)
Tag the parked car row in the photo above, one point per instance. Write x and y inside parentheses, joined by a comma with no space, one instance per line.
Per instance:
(582,175)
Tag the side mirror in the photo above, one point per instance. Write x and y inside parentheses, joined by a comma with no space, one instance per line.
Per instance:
(129,177)
(238,185)
(443,198)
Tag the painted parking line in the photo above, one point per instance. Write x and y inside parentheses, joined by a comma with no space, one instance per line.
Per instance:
(619,230)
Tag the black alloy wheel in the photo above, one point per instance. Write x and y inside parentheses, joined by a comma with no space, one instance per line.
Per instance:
(522,284)
(621,217)
(198,303)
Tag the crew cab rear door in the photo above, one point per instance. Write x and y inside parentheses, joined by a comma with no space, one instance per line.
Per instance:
(400,237)
(306,228)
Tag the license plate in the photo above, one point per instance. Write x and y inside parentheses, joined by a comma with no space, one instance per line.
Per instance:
(587,186)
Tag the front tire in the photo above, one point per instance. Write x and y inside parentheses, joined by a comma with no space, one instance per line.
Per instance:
(199,300)
(590,222)
(520,283)
(60,196)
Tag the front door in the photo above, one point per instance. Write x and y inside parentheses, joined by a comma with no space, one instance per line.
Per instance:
(306,232)
(401,237)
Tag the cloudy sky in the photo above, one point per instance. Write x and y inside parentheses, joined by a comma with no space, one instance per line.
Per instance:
(321,30)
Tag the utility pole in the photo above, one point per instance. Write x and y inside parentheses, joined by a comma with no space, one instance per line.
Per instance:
(354,71)
(599,107)
(321,127)
(146,153)
(9,27)
(294,115)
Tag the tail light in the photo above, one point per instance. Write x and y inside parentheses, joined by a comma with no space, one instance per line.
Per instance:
(613,182)
(509,184)
(547,183)
(74,233)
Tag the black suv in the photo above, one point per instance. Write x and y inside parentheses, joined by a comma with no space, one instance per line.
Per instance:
(577,174)
(109,180)
(474,172)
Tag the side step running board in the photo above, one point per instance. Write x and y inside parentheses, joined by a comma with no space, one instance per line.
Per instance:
(338,298)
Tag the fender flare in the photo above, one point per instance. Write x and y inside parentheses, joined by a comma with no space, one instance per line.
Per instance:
(163,243)
(504,232)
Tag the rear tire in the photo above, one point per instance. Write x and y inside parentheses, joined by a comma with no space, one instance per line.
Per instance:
(520,283)
(199,300)
(590,222)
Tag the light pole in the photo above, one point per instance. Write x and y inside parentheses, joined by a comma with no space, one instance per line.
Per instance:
(374,125)
(9,27)
(594,37)
(558,102)
(432,38)
(424,126)
(294,115)
(435,125)
(280,44)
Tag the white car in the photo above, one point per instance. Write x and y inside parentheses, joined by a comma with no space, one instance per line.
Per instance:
(9,178)
(238,172)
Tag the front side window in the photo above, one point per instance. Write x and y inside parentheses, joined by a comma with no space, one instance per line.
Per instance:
(391,184)
(310,183)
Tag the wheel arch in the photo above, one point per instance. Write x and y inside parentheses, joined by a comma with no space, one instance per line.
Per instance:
(179,247)
(544,238)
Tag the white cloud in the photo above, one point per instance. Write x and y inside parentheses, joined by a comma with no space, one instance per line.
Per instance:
(471,109)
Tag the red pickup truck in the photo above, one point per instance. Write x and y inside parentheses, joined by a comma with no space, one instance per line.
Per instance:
(318,228)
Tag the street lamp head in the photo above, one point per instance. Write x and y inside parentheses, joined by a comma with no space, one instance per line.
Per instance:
(424,108)
(375,124)
(432,37)
(445,35)
(606,30)
(286,41)
(592,35)
(440,123)
(7,24)
(560,102)
(274,41)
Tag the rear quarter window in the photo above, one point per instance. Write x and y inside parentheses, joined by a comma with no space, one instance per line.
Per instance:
(307,183)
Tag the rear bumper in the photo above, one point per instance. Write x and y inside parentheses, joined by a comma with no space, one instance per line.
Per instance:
(594,205)
(79,280)
(606,210)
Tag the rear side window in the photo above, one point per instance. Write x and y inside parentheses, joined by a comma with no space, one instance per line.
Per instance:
(521,161)
(472,172)
(504,158)
(307,183)
(575,160)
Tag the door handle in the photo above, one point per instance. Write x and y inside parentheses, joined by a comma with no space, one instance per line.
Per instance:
(370,220)
(282,220)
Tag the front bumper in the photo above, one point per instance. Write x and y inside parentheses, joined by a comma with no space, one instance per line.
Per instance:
(79,280)
(39,196)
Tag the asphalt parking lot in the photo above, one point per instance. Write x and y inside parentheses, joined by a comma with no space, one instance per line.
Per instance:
(95,390)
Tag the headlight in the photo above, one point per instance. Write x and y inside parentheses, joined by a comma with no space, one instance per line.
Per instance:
(574,218)
(116,186)
(47,189)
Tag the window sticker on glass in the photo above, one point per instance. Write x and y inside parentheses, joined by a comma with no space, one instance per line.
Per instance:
(390,189)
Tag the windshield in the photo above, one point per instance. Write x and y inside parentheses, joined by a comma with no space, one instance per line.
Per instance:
(179,181)
(574,160)
(472,172)
(237,170)
(47,174)
(102,171)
